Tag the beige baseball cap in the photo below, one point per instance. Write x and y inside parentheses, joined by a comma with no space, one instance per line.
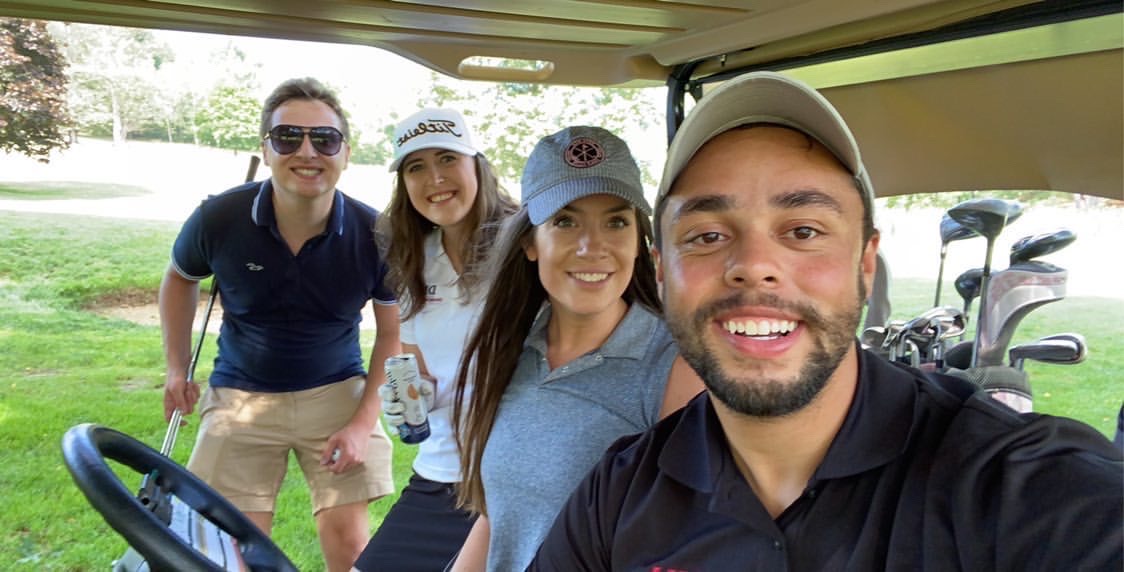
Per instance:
(764,97)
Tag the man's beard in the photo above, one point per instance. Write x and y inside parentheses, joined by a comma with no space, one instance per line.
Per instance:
(759,396)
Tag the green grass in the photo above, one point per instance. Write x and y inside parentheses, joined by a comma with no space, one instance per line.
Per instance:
(54,190)
(61,365)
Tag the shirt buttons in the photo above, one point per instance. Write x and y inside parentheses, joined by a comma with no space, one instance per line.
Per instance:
(598,358)
(778,545)
(812,493)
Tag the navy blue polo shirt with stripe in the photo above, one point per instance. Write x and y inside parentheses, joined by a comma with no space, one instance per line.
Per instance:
(924,474)
(289,322)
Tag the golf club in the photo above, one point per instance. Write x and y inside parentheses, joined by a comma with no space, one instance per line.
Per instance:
(873,337)
(1036,245)
(1055,351)
(1077,339)
(987,217)
(968,286)
(951,230)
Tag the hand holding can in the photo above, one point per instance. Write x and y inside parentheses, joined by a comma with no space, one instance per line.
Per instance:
(403,377)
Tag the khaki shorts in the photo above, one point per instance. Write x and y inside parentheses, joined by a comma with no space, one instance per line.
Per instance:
(244,440)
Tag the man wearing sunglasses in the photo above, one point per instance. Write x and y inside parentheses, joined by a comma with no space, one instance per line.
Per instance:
(296,261)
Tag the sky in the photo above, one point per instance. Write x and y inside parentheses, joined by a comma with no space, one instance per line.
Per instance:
(371,82)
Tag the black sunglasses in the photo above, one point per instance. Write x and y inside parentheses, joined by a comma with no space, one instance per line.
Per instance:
(286,139)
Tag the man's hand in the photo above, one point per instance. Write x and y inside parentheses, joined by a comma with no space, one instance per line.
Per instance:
(346,448)
(393,409)
(179,394)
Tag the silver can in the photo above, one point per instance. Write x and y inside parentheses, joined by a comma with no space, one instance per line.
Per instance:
(402,375)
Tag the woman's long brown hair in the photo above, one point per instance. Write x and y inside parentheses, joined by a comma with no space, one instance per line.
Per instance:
(513,299)
(402,231)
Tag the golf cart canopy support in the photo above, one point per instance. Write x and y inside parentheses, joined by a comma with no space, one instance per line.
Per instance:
(942,94)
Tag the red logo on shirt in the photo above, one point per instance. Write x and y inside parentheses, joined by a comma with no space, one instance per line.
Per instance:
(662,569)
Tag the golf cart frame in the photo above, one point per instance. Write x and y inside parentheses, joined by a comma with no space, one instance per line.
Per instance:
(937,92)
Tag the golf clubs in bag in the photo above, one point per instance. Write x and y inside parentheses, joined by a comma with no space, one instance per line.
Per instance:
(151,494)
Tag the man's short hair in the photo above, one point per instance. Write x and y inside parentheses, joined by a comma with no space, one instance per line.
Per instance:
(301,88)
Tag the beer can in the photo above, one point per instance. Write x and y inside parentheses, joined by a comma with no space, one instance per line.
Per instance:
(402,375)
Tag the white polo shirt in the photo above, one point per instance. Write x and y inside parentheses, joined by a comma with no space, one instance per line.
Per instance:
(441,331)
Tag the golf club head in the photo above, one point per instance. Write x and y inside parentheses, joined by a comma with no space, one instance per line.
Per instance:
(1035,245)
(873,337)
(959,356)
(968,286)
(1077,339)
(939,323)
(1056,351)
(986,217)
(951,230)
(949,322)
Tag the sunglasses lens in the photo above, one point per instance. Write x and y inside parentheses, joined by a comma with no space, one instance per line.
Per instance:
(326,140)
(286,139)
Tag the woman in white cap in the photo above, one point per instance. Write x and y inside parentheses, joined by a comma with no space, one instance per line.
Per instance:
(445,210)
(570,352)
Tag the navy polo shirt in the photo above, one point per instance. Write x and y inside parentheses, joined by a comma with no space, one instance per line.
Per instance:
(289,322)
(924,474)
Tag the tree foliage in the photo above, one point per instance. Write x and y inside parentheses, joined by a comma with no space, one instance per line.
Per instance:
(950,199)
(33,105)
(229,119)
(509,118)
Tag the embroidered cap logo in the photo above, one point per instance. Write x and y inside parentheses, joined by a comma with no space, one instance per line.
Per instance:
(583,153)
(430,126)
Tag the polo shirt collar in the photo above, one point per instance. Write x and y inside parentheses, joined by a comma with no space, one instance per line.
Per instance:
(874,433)
(629,339)
(263,213)
(878,425)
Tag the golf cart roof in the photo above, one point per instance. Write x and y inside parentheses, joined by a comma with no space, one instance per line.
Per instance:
(941,94)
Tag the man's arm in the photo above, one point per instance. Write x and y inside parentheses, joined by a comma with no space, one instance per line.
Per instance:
(179,297)
(683,384)
(352,439)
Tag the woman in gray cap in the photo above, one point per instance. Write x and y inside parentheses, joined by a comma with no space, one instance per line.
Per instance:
(570,352)
(443,215)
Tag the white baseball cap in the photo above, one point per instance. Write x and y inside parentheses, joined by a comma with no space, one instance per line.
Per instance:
(432,128)
(765,97)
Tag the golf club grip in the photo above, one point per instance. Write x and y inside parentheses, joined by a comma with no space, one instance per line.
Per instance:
(253,170)
(177,415)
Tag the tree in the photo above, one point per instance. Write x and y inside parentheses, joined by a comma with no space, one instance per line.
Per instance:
(114,77)
(518,115)
(33,107)
(229,119)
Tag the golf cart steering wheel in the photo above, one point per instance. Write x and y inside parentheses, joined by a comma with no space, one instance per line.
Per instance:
(85,448)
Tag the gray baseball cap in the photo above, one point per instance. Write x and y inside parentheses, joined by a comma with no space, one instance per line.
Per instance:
(765,97)
(577,162)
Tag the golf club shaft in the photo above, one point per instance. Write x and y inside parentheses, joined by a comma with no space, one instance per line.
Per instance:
(940,275)
(177,415)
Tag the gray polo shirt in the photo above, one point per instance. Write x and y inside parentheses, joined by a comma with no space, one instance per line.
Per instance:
(553,426)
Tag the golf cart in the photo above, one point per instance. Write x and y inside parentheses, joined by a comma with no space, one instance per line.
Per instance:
(942,95)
